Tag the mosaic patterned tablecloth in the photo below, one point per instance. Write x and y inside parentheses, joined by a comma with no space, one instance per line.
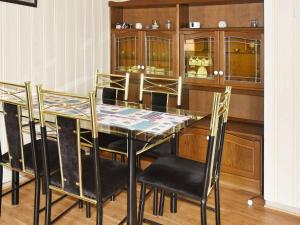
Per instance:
(138,119)
(134,119)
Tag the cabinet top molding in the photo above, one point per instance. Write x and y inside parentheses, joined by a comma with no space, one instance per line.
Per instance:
(157,3)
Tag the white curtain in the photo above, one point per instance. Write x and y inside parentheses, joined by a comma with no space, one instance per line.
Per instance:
(59,44)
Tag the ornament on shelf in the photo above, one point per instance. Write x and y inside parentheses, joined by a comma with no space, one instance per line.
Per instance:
(202,63)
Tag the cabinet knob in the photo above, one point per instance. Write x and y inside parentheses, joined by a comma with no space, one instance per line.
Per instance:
(142,67)
(221,73)
(216,72)
(139,66)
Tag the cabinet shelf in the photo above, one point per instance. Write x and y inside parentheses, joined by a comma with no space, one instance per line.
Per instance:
(147,30)
(222,29)
(243,53)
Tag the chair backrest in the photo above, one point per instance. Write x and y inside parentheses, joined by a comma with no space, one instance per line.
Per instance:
(68,113)
(160,89)
(16,100)
(112,87)
(218,123)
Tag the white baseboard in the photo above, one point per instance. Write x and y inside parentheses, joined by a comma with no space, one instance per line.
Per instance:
(283,208)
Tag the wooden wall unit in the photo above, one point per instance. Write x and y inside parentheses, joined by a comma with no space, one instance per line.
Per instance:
(244,137)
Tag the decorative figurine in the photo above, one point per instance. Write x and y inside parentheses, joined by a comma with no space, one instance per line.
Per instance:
(222,24)
(202,63)
(155,24)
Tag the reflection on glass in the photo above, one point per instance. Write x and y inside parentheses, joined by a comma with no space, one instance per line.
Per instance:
(242,59)
(158,55)
(199,57)
(126,54)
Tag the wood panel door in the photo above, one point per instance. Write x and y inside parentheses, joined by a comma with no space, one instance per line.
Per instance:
(242,58)
(199,56)
(159,54)
(241,154)
(126,51)
(193,144)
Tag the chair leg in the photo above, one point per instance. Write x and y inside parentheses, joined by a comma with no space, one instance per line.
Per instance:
(80,204)
(48,206)
(1,182)
(15,187)
(155,202)
(217,203)
(203,213)
(142,204)
(99,213)
(162,203)
(37,195)
(43,186)
(138,162)
(173,203)
(88,210)
(113,156)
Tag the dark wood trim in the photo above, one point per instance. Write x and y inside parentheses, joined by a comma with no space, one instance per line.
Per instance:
(151,3)
(235,90)
(33,4)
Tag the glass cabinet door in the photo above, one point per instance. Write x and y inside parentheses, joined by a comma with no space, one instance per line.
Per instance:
(125,52)
(201,57)
(243,58)
(159,52)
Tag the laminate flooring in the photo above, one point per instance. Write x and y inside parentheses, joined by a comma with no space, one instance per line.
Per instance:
(234,211)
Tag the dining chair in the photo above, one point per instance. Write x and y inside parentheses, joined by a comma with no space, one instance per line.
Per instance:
(189,178)
(112,87)
(87,178)
(17,108)
(109,88)
(159,93)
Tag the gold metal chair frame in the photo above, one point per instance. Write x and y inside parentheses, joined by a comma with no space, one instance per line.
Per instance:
(9,93)
(220,108)
(168,86)
(117,82)
(89,117)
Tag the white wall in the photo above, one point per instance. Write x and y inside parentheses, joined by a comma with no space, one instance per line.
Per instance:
(58,44)
(282,105)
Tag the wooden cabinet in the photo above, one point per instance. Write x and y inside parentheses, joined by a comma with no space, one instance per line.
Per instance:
(208,58)
(199,56)
(242,153)
(125,54)
(242,58)
(151,52)
(223,57)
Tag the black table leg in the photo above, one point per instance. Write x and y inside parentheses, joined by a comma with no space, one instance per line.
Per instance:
(15,187)
(175,146)
(131,189)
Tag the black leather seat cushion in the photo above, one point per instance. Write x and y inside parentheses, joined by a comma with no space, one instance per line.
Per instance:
(113,177)
(53,156)
(158,151)
(175,174)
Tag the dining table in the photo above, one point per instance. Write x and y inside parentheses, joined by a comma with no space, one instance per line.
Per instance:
(134,122)
(141,123)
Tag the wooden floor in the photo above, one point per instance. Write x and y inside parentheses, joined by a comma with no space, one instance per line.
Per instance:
(234,211)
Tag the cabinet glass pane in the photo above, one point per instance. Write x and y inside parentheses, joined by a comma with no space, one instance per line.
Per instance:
(126,54)
(242,59)
(199,57)
(158,55)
